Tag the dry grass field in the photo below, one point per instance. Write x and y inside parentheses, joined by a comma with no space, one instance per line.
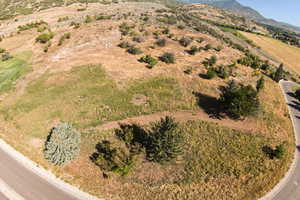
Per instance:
(287,54)
(92,83)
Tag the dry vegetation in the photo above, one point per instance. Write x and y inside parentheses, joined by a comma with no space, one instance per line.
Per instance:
(89,80)
(285,53)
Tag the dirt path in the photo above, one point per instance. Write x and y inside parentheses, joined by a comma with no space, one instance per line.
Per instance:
(183,116)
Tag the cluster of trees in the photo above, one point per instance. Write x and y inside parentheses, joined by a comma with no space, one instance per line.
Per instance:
(163,142)
(239,100)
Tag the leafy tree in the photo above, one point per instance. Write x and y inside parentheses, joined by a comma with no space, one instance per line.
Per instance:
(239,100)
(279,74)
(62,145)
(165,141)
(279,151)
(168,58)
(260,84)
(193,50)
(211,73)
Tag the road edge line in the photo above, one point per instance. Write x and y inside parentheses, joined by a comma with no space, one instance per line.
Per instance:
(271,194)
(43,173)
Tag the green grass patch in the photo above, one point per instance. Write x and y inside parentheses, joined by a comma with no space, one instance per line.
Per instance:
(11,70)
(87,97)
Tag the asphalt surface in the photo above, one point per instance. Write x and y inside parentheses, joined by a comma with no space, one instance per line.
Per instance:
(27,184)
(289,187)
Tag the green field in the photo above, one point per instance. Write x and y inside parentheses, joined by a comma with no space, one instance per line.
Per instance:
(12,70)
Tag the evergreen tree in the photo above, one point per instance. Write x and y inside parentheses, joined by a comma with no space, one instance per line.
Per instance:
(279,74)
(260,84)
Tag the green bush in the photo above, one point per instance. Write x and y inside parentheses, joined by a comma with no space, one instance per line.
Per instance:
(166,141)
(134,50)
(185,41)
(161,42)
(239,100)
(149,60)
(211,73)
(112,159)
(2,50)
(62,145)
(138,39)
(207,47)
(125,45)
(88,19)
(168,58)
(6,56)
(279,151)
(210,61)
(193,50)
(63,38)
(260,84)
(44,37)
(279,74)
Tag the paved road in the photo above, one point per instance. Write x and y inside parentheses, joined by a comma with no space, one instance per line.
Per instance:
(27,184)
(289,187)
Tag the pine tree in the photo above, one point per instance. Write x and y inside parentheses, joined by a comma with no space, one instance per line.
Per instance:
(62,145)
(279,74)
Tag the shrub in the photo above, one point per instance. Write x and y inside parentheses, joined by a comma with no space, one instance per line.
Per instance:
(47,46)
(44,37)
(76,25)
(260,84)
(6,56)
(134,50)
(62,145)
(210,61)
(125,28)
(166,141)
(219,48)
(168,58)
(185,41)
(138,39)
(88,19)
(210,73)
(149,60)
(193,50)
(279,151)
(223,71)
(161,42)
(279,74)
(189,70)
(116,160)
(2,50)
(125,45)
(63,38)
(207,47)
(239,100)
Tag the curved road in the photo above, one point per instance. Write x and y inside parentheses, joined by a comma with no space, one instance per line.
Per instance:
(289,186)
(21,179)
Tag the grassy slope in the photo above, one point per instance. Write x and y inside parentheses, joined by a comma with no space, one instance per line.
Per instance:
(12,70)
(285,53)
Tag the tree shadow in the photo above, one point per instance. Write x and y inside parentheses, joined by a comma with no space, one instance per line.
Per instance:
(210,105)
(204,76)
(291,94)
(268,151)
(298,148)
(295,105)
(298,117)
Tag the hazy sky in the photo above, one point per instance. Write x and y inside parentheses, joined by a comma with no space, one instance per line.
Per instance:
(281,10)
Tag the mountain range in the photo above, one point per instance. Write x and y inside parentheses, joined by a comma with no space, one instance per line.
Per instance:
(237,8)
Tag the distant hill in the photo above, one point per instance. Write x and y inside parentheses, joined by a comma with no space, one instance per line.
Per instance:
(237,8)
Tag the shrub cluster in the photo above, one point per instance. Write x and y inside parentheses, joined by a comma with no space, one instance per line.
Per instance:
(44,37)
(31,25)
(149,60)
(168,58)
(62,145)
(239,100)
(162,142)
(209,62)
(161,42)
(185,41)
(64,37)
